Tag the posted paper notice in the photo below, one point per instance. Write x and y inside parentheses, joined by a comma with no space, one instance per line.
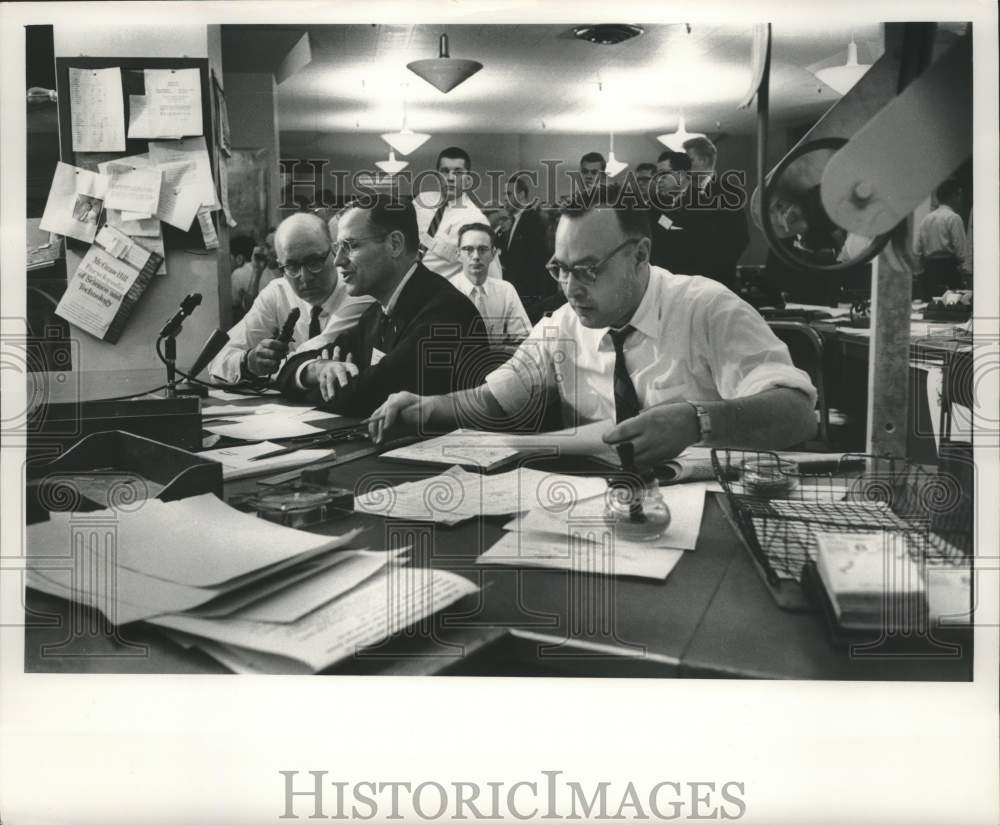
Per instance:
(97,110)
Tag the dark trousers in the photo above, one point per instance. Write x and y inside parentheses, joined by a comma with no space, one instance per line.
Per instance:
(939,275)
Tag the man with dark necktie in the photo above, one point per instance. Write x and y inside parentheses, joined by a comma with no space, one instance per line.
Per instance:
(524,250)
(308,283)
(666,360)
(420,334)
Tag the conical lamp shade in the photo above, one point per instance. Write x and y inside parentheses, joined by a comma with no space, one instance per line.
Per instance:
(674,141)
(392,166)
(614,166)
(444,73)
(842,78)
(404,141)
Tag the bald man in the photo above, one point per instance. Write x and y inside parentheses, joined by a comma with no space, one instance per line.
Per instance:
(309,282)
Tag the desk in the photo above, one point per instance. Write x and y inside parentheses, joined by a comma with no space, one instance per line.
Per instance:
(712,617)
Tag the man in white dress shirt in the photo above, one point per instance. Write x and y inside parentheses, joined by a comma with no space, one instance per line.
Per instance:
(672,360)
(310,283)
(441,214)
(497,300)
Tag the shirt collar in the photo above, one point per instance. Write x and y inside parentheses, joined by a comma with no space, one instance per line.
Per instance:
(390,305)
(465,286)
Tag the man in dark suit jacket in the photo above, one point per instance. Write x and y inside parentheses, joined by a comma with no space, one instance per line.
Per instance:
(676,232)
(524,248)
(421,334)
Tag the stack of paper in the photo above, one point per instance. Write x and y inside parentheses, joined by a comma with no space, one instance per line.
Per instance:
(241,461)
(259,596)
(578,538)
(457,495)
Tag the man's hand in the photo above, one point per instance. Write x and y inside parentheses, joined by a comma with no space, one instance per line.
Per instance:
(264,358)
(398,408)
(658,434)
(330,373)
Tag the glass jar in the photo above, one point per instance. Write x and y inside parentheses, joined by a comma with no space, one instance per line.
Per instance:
(635,509)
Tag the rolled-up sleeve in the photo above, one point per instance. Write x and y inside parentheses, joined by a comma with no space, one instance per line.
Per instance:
(528,372)
(744,355)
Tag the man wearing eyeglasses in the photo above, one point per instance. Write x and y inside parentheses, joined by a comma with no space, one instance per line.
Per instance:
(497,301)
(666,360)
(418,335)
(309,282)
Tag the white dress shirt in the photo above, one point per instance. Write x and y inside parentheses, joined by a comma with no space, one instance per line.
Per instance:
(941,235)
(695,340)
(267,315)
(442,249)
(500,306)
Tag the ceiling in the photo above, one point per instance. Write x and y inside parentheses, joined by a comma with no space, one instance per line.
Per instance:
(539,78)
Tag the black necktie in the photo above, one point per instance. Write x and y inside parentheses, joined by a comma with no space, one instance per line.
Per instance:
(382,329)
(436,220)
(314,329)
(626,399)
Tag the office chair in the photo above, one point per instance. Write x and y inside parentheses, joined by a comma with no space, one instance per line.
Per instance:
(956,388)
(805,346)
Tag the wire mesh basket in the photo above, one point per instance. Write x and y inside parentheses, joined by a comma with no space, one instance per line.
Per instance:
(779,503)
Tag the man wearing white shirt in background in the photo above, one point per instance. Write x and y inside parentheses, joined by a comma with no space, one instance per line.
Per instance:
(667,360)
(441,215)
(497,300)
(303,251)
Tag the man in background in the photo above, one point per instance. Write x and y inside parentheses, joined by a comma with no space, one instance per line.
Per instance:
(245,282)
(676,231)
(497,300)
(592,170)
(524,248)
(721,213)
(414,311)
(644,174)
(940,243)
(440,215)
(309,283)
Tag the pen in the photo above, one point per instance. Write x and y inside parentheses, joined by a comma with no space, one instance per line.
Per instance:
(626,453)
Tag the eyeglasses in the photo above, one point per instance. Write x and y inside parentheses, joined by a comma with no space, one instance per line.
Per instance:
(469,251)
(352,245)
(314,264)
(585,273)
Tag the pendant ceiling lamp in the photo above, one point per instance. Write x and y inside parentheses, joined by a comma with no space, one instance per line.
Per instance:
(392,166)
(614,166)
(674,141)
(405,141)
(842,78)
(444,73)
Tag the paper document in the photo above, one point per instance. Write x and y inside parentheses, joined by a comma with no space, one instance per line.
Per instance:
(263,427)
(236,461)
(189,149)
(171,107)
(387,603)
(75,201)
(225,395)
(97,110)
(611,558)
(686,503)
(134,190)
(180,195)
(457,495)
(198,541)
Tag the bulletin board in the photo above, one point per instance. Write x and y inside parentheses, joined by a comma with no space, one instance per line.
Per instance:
(133,83)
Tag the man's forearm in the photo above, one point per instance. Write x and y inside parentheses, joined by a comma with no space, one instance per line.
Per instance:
(771,420)
(476,409)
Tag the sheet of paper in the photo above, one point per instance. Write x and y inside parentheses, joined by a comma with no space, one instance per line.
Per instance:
(75,200)
(457,495)
(97,110)
(686,503)
(134,190)
(389,602)
(145,228)
(263,427)
(530,549)
(198,541)
(189,149)
(180,196)
(225,395)
(236,461)
(208,233)
(171,107)
(307,595)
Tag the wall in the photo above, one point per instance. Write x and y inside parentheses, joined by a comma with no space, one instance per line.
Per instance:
(187,271)
(252,101)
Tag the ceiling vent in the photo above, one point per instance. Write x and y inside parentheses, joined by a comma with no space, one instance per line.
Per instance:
(607,34)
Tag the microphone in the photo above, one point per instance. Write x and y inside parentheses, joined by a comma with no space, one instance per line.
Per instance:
(216,341)
(173,326)
(285,336)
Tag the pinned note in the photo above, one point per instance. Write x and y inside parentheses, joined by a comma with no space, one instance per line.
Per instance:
(171,107)
(75,201)
(97,110)
(194,150)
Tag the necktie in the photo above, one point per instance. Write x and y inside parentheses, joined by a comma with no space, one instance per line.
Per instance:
(626,399)
(314,329)
(382,324)
(436,220)
(479,299)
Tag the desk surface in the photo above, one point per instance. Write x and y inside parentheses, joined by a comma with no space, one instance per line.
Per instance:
(713,616)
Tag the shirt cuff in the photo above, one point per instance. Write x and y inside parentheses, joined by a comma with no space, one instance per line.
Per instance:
(298,374)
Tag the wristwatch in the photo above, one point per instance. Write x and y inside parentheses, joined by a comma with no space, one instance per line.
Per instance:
(704,421)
